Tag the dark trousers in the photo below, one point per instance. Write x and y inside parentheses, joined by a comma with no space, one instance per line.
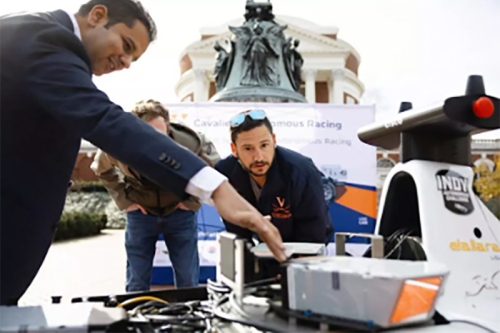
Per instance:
(180,232)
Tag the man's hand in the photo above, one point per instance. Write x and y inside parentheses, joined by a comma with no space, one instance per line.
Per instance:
(136,207)
(233,208)
(182,206)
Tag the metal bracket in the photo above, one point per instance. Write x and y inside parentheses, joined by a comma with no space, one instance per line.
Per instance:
(377,243)
(230,265)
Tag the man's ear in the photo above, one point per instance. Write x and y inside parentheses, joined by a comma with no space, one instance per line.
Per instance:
(233,150)
(274,140)
(98,15)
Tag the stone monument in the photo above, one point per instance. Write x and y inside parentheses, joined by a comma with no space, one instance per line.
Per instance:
(258,64)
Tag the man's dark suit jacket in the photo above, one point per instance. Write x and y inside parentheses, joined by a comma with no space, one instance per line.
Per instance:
(292,195)
(48,104)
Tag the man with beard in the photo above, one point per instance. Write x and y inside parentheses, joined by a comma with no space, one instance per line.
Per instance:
(277,181)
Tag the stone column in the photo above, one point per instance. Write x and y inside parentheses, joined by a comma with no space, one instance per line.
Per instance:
(310,76)
(201,87)
(337,87)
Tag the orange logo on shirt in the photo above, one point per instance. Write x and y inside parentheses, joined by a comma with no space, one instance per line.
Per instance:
(280,211)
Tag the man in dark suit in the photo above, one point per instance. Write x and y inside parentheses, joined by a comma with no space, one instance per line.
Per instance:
(48,104)
(275,180)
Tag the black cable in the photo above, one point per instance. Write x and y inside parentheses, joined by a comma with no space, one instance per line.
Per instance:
(194,316)
(267,281)
(247,285)
(176,309)
(472,323)
(147,307)
(144,328)
(159,317)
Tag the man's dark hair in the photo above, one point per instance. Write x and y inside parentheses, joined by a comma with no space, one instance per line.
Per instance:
(123,11)
(249,124)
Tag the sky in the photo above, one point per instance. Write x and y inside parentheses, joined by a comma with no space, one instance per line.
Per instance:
(411,50)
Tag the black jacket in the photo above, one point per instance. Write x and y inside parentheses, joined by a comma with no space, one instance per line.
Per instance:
(48,103)
(293,196)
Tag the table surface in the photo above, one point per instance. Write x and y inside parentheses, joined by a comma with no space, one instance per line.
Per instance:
(282,325)
(258,312)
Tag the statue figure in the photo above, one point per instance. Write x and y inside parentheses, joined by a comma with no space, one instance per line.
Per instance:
(293,62)
(223,63)
(261,51)
(288,60)
(258,64)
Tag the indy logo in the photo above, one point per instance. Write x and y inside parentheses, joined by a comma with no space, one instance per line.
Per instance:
(455,190)
(451,183)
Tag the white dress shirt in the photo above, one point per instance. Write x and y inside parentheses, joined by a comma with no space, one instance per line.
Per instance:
(206,181)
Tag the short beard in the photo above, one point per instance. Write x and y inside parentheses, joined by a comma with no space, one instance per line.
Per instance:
(250,170)
(257,174)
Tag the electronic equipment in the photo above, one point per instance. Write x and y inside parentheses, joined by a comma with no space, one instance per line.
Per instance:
(381,293)
(83,317)
(240,261)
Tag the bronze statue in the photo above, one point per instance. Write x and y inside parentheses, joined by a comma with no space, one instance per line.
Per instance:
(261,65)
(223,63)
(261,52)
(293,62)
(298,61)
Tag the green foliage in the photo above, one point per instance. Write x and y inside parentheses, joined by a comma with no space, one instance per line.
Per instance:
(494,206)
(77,224)
(487,184)
(87,187)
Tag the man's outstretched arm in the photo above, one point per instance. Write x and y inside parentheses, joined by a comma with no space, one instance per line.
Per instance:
(60,82)
(233,207)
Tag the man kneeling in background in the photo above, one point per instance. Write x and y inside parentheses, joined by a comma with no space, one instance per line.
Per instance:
(152,210)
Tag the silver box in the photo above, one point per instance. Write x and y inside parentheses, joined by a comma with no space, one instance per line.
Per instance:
(385,293)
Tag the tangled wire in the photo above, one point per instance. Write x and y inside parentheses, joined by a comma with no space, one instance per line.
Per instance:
(155,315)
